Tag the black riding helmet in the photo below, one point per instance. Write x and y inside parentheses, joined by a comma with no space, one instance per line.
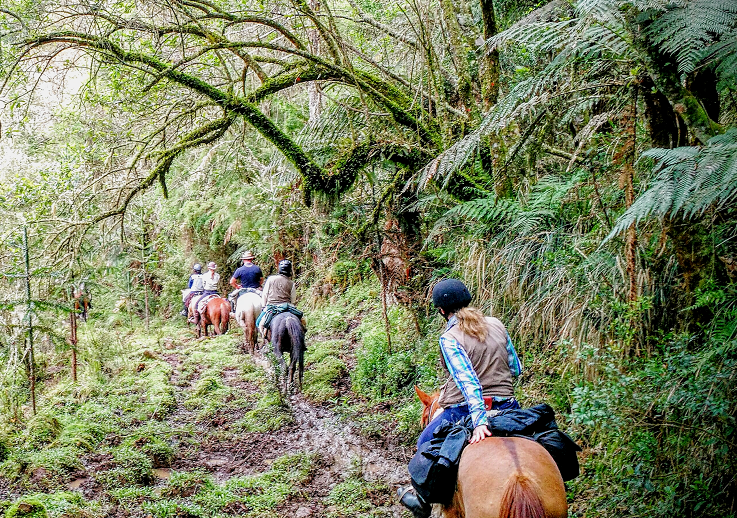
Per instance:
(451,295)
(285,267)
(197,267)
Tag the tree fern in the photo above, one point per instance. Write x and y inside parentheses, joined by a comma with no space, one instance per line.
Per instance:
(689,181)
(593,44)
(686,29)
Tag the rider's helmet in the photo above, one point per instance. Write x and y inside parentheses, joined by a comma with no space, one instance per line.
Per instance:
(451,295)
(212,266)
(285,267)
(197,267)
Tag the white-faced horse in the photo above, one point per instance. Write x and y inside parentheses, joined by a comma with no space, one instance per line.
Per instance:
(247,310)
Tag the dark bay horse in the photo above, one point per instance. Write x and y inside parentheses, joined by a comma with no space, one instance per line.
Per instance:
(503,477)
(288,335)
(216,313)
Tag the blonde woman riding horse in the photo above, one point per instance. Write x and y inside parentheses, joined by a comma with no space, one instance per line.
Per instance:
(480,362)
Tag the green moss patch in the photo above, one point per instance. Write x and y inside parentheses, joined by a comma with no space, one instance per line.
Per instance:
(324,367)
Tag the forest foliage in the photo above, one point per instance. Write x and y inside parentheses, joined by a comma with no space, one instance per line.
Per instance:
(574,162)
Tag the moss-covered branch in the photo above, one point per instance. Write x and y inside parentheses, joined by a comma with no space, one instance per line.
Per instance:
(205,134)
(331,182)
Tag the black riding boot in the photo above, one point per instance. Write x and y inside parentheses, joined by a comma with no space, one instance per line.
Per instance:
(414,502)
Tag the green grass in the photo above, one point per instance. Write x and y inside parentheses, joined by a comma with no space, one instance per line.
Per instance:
(323,368)
(132,467)
(270,414)
(195,493)
(355,496)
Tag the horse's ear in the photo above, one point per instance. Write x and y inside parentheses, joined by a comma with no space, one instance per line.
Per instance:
(425,398)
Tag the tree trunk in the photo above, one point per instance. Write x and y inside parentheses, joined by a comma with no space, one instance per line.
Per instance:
(315,99)
(489,64)
(29,315)
(667,79)
(627,181)
(460,59)
(73,340)
(667,129)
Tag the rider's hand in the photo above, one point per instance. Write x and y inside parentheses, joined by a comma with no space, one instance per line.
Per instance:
(480,433)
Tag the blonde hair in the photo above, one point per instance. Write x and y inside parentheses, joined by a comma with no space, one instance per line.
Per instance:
(472,322)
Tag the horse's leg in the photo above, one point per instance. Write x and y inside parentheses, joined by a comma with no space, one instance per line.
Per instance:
(276,343)
(292,365)
(249,325)
(301,366)
(216,325)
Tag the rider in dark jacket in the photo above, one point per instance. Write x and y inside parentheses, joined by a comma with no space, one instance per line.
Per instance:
(247,276)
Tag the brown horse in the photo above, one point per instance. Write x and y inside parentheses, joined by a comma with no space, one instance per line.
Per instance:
(82,301)
(503,477)
(216,313)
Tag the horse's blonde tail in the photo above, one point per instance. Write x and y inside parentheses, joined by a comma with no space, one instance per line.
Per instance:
(521,500)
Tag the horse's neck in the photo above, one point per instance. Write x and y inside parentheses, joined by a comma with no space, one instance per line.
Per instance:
(435,408)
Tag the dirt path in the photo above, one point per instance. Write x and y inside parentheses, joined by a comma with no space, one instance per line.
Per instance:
(342,450)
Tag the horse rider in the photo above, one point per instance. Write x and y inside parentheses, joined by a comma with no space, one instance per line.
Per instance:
(247,276)
(480,361)
(210,282)
(278,289)
(195,286)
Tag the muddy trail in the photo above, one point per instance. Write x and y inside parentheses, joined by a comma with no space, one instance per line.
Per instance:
(224,426)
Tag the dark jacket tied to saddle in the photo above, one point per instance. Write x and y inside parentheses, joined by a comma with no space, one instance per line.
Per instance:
(434,468)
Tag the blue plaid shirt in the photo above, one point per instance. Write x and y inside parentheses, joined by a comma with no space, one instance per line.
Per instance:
(460,368)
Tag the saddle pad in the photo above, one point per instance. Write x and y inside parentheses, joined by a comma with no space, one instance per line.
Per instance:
(202,303)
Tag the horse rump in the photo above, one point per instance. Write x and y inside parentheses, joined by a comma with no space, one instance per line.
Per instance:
(247,309)
(287,331)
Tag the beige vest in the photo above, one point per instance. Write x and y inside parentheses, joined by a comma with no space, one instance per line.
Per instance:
(489,360)
(278,290)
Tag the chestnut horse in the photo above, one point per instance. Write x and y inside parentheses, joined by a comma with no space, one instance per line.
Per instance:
(503,477)
(247,310)
(216,313)
(82,301)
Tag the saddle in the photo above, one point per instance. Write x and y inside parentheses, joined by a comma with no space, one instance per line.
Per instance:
(271,310)
(243,291)
(202,303)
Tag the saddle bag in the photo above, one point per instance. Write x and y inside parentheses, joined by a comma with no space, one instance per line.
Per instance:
(563,450)
(537,423)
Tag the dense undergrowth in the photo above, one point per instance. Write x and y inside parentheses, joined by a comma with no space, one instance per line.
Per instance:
(657,432)
(131,432)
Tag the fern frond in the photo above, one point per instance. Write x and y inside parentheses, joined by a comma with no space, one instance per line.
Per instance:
(689,180)
(686,30)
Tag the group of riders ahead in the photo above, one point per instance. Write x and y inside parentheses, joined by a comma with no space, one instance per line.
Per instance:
(477,356)
(277,294)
